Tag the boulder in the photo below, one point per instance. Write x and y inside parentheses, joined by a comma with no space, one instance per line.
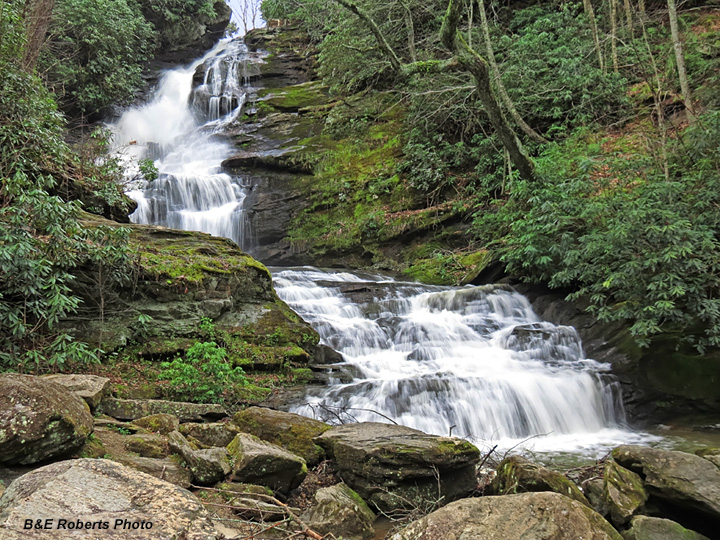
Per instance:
(684,483)
(391,465)
(339,510)
(594,490)
(161,423)
(267,464)
(134,409)
(293,432)
(39,419)
(208,466)
(652,528)
(91,388)
(517,474)
(107,498)
(624,493)
(213,434)
(145,445)
(167,469)
(530,516)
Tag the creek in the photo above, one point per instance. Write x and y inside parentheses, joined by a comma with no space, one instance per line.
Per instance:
(475,362)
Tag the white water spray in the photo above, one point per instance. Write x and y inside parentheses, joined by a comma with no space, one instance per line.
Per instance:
(180,131)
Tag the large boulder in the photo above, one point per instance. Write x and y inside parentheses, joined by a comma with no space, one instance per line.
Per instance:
(208,466)
(91,388)
(293,432)
(168,469)
(651,528)
(391,465)
(162,423)
(39,419)
(530,516)
(339,510)
(107,499)
(259,462)
(517,474)
(684,483)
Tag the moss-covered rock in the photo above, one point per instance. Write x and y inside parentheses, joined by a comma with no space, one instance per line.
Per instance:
(653,528)
(162,423)
(291,431)
(624,492)
(516,474)
(211,434)
(207,465)
(144,445)
(339,510)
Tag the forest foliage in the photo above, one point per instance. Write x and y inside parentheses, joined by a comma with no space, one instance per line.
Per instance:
(622,210)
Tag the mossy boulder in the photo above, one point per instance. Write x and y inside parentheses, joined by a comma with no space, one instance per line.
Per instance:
(624,493)
(211,434)
(91,388)
(653,528)
(162,423)
(711,454)
(151,446)
(339,510)
(391,465)
(530,516)
(291,431)
(259,462)
(515,474)
(207,466)
(39,419)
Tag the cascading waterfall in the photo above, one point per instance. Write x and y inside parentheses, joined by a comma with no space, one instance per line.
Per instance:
(476,359)
(179,129)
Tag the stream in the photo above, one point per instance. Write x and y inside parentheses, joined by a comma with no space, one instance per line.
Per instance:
(474,362)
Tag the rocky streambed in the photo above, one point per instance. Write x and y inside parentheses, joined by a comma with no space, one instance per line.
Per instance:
(80,463)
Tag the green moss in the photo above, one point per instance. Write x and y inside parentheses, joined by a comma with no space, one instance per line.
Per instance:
(449,268)
(294,98)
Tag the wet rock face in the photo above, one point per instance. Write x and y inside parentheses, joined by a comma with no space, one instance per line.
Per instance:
(530,516)
(388,464)
(39,419)
(100,491)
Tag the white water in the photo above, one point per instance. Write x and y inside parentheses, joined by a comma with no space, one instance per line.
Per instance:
(476,359)
(178,129)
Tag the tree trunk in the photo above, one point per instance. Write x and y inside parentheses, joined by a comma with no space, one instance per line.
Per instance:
(680,60)
(509,105)
(382,42)
(411,31)
(590,12)
(478,67)
(629,17)
(613,35)
(37,16)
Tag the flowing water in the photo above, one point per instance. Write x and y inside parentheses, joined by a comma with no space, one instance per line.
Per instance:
(180,130)
(473,361)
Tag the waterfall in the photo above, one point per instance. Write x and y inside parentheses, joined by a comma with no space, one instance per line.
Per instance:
(474,359)
(180,129)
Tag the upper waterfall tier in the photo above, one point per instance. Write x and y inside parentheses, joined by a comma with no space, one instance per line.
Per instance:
(178,129)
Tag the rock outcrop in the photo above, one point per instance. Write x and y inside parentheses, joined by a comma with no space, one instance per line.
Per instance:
(207,466)
(530,516)
(91,388)
(391,465)
(98,498)
(39,419)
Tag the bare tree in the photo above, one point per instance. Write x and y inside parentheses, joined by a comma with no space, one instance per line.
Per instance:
(465,58)
(590,12)
(509,105)
(37,15)
(613,35)
(680,60)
